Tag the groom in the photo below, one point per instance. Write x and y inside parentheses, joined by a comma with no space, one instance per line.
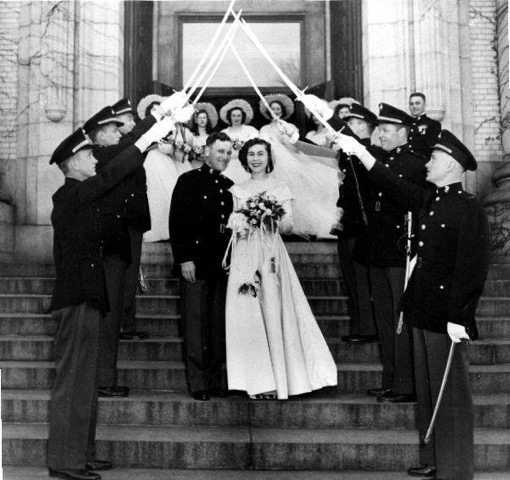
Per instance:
(201,205)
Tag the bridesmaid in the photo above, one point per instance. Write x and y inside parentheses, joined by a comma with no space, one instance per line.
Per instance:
(202,125)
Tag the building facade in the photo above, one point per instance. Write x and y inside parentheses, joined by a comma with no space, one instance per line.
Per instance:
(61,61)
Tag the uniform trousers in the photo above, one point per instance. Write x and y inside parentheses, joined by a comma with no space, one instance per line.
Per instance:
(357,285)
(396,350)
(73,404)
(203,322)
(115,271)
(451,448)
(131,281)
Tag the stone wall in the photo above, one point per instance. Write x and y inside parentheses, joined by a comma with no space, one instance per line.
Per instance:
(9,13)
(485,82)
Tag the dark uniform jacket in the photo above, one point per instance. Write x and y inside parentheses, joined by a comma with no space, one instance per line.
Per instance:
(354,193)
(78,237)
(201,205)
(127,204)
(423,135)
(383,243)
(452,254)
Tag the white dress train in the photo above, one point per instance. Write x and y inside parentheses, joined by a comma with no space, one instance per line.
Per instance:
(162,172)
(273,340)
(314,181)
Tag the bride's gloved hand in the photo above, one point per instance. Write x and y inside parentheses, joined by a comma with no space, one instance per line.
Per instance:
(285,226)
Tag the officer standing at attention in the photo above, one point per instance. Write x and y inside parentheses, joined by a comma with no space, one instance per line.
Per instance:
(200,208)
(137,216)
(80,300)
(103,129)
(382,246)
(424,131)
(440,301)
(353,200)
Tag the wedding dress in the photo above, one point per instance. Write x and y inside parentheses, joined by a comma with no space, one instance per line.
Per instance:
(273,341)
(314,181)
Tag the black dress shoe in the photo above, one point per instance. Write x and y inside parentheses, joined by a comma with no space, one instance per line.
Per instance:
(426,471)
(99,465)
(397,398)
(360,339)
(377,392)
(81,474)
(133,335)
(202,395)
(218,392)
(113,392)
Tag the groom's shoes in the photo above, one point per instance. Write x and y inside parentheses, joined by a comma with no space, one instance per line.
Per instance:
(218,392)
(81,474)
(424,471)
(98,465)
(202,395)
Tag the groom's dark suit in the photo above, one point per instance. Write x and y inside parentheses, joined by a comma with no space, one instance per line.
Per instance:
(201,205)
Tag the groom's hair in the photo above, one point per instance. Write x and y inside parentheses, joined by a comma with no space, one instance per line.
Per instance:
(217,137)
(243,153)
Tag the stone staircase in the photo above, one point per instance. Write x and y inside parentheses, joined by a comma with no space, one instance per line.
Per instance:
(339,432)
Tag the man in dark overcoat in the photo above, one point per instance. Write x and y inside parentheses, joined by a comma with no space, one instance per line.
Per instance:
(353,200)
(440,301)
(382,247)
(199,212)
(80,300)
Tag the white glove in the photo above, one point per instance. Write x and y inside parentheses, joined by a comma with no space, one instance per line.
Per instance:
(158,131)
(349,144)
(316,104)
(457,332)
(173,102)
(183,115)
(291,131)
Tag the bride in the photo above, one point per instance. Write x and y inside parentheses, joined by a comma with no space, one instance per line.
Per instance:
(274,345)
(314,180)
(237,114)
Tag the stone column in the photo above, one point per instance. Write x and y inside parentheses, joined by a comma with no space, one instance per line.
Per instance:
(497,203)
(70,63)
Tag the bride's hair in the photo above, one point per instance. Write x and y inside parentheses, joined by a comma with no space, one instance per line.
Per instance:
(243,153)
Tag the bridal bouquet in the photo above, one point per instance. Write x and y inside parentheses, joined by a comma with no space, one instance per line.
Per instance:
(262,211)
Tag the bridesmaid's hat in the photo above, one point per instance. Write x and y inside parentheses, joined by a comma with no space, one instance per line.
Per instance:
(212,113)
(280,98)
(237,103)
(145,102)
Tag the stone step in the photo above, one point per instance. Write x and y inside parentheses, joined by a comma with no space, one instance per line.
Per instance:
(257,448)
(169,304)
(38,473)
(168,325)
(327,408)
(40,347)
(306,264)
(139,375)
(155,286)
(156,304)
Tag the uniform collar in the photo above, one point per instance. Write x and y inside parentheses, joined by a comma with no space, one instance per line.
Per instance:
(423,116)
(399,150)
(210,171)
(449,189)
